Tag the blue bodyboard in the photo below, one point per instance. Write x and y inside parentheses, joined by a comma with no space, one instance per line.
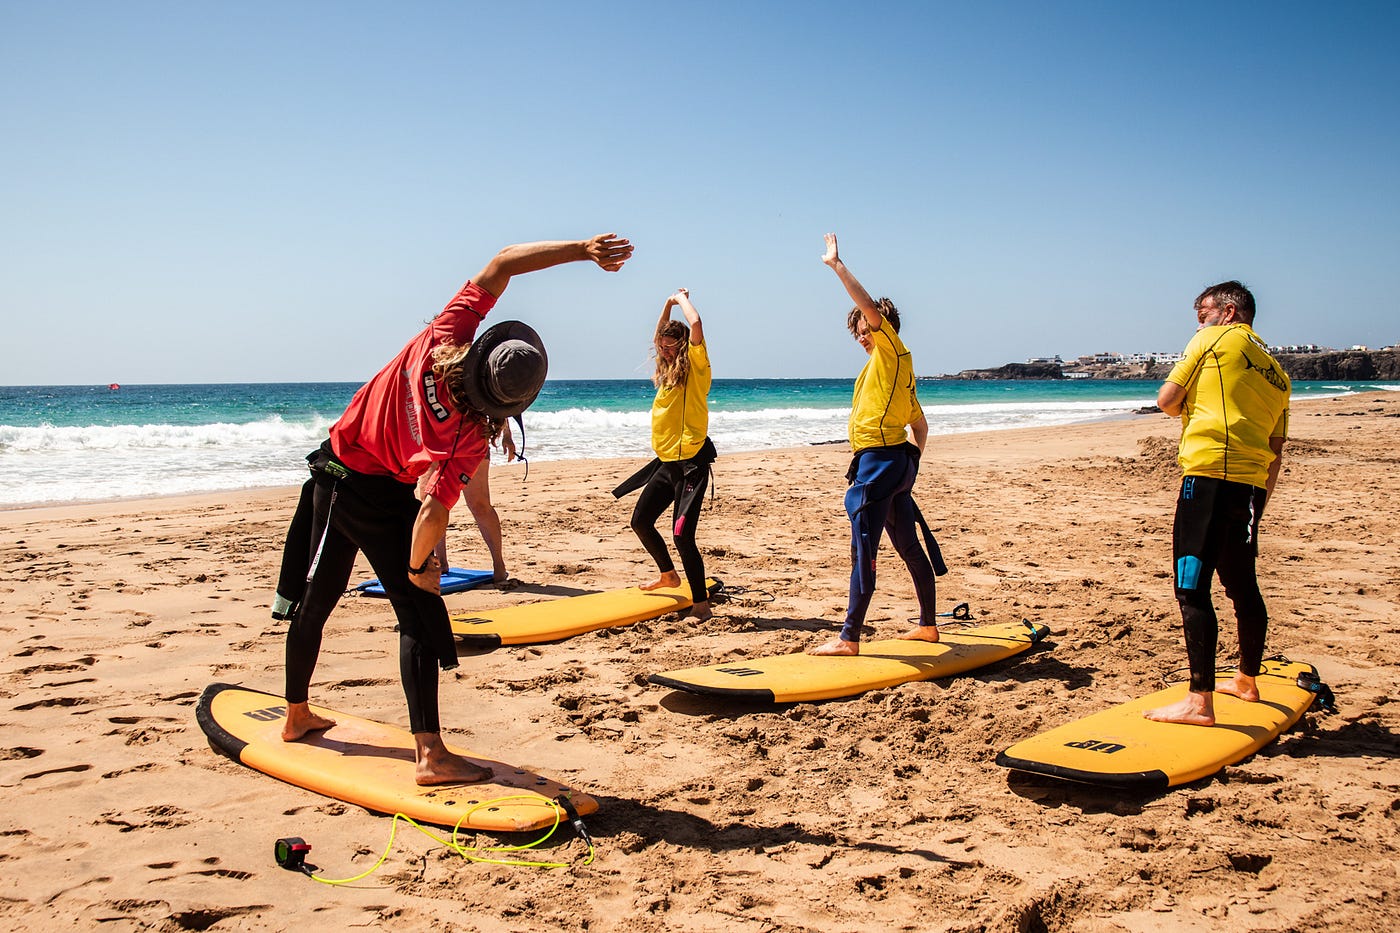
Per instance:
(454,580)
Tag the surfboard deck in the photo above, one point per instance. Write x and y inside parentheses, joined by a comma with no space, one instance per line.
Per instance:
(794,678)
(371,765)
(1116,747)
(454,580)
(556,619)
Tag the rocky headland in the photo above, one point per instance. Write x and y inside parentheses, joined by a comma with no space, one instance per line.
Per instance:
(1342,365)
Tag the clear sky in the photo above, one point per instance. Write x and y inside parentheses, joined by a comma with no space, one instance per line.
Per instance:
(256,191)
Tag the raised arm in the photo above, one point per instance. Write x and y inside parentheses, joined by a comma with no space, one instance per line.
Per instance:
(857,291)
(608,250)
(692,317)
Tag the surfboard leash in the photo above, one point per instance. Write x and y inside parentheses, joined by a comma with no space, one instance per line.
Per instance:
(743,595)
(290,852)
(1309,680)
(962,612)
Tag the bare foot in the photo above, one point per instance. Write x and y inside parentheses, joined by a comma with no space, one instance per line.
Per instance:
(300,720)
(1195,709)
(836,648)
(921,633)
(698,611)
(437,765)
(500,575)
(1242,686)
(670,578)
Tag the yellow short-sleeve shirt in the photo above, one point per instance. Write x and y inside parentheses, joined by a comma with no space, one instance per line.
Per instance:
(885,399)
(680,414)
(1237,399)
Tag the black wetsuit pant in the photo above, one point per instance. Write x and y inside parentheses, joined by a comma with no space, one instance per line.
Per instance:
(1217,531)
(680,484)
(373,514)
(880,498)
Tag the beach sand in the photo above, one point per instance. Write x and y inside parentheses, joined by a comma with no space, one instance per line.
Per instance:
(882,812)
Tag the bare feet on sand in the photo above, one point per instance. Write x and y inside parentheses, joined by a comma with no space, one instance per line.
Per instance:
(697,611)
(300,721)
(437,765)
(1242,686)
(921,633)
(670,578)
(1195,709)
(836,648)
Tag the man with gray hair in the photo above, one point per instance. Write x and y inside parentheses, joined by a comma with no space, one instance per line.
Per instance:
(1232,397)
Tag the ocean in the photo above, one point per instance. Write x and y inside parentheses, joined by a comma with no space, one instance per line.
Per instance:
(81,443)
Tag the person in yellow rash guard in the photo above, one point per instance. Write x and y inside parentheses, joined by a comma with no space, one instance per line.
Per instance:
(680,474)
(1233,398)
(885,464)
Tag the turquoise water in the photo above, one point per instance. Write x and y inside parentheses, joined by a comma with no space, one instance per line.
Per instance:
(70,443)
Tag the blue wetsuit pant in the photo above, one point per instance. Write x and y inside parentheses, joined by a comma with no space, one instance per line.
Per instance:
(372,514)
(1217,531)
(880,498)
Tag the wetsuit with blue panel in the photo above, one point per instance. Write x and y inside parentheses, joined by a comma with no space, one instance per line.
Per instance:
(1234,416)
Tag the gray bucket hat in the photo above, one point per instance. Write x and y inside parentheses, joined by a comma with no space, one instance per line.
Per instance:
(504,369)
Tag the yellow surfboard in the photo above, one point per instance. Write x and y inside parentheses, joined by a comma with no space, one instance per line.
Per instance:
(371,765)
(1117,747)
(794,678)
(555,619)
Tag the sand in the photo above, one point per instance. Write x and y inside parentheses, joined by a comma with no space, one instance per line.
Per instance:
(882,812)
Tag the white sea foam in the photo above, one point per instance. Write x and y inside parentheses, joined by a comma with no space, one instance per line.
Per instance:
(46,464)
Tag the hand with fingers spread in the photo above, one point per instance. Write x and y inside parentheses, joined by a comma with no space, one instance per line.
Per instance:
(831,257)
(609,251)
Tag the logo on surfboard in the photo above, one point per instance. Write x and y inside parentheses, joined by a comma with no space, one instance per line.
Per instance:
(1094,745)
(738,671)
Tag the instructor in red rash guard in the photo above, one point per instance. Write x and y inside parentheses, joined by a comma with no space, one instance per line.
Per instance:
(440,400)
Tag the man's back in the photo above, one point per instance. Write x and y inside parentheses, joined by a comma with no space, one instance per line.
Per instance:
(1236,400)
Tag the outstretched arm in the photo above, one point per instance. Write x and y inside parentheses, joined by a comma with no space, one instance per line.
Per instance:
(859,295)
(692,317)
(608,250)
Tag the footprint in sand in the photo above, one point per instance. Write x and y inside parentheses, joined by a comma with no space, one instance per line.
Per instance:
(162,816)
(53,701)
(107,776)
(71,769)
(19,752)
(57,667)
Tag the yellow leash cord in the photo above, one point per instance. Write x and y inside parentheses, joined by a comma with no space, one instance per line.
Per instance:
(473,853)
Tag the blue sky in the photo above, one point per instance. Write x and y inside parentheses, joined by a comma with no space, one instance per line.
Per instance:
(286,192)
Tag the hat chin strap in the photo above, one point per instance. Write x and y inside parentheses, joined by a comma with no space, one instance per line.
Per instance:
(520,451)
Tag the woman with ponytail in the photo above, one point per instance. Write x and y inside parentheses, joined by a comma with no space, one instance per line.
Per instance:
(680,474)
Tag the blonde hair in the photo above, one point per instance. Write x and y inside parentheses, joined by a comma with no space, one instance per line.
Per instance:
(449,361)
(675,371)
